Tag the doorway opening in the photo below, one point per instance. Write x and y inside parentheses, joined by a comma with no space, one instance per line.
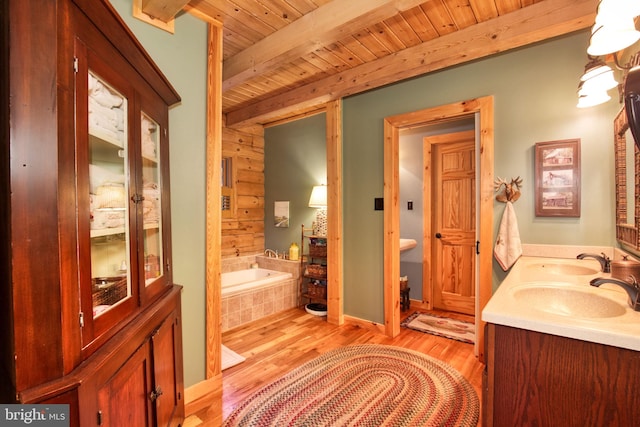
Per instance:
(481,111)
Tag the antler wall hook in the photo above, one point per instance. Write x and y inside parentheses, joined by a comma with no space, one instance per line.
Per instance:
(511,191)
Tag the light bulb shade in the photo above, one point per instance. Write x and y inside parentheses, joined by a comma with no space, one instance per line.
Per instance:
(600,82)
(612,36)
(589,96)
(318,197)
(611,10)
(594,67)
(586,101)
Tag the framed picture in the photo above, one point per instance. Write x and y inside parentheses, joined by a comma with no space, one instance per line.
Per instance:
(281,214)
(557,172)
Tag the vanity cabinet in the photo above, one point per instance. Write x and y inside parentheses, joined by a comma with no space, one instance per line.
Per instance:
(92,313)
(533,378)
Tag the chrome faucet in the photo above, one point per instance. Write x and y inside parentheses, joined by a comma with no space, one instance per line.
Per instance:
(270,253)
(633,289)
(605,262)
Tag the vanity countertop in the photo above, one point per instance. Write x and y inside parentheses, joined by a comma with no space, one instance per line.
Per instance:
(507,308)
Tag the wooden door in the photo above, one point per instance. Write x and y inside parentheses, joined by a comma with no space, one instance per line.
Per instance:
(453,254)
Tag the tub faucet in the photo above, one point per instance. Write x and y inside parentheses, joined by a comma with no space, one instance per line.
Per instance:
(633,289)
(605,262)
(270,253)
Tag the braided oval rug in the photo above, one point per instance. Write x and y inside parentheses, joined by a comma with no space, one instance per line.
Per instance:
(364,385)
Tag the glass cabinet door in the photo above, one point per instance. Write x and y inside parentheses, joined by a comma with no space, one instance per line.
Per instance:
(108,198)
(122,205)
(151,199)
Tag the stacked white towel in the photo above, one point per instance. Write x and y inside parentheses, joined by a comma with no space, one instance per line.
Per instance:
(148,143)
(106,110)
(151,204)
(508,246)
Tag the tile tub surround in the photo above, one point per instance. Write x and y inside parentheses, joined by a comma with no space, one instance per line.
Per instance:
(252,305)
(238,263)
(504,309)
(278,264)
(244,262)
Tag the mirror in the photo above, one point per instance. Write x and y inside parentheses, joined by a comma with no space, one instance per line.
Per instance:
(627,174)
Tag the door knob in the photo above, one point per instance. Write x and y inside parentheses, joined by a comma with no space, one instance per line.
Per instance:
(438,236)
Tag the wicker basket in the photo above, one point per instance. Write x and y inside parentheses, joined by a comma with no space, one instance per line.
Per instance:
(108,290)
(317,291)
(318,251)
(318,247)
(317,270)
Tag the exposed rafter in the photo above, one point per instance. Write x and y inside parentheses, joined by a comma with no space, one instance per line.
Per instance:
(163,10)
(524,26)
(321,27)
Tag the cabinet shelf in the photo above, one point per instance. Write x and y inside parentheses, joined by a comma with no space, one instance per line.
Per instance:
(150,158)
(101,135)
(120,230)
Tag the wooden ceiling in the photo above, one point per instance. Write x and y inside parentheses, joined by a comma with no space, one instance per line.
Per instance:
(285,57)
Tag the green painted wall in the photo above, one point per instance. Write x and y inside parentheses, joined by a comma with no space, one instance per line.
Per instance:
(182,58)
(295,160)
(535,100)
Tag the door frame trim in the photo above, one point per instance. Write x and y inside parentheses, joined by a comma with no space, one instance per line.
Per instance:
(483,110)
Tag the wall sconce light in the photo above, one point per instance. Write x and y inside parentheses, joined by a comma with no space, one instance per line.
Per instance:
(588,99)
(318,200)
(608,38)
(594,83)
(614,30)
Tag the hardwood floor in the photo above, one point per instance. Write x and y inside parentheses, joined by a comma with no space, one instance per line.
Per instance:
(275,345)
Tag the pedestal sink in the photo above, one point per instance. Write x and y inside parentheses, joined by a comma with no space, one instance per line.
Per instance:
(566,300)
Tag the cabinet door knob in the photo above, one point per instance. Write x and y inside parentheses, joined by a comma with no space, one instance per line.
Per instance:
(155,394)
(438,236)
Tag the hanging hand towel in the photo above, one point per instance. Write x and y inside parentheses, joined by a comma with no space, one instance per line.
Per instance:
(508,246)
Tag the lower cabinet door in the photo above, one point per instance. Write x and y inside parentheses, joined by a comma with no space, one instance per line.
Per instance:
(166,369)
(124,399)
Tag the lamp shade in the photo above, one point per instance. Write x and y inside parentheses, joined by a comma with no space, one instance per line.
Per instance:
(595,82)
(614,28)
(591,100)
(589,97)
(612,38)
(595,67)
(318,197)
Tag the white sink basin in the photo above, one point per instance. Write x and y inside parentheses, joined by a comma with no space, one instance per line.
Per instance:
(564,300)
(566,269)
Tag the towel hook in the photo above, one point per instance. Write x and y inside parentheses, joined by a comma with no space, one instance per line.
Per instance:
(511,191)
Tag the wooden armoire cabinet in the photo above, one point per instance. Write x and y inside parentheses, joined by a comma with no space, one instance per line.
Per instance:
(90,314)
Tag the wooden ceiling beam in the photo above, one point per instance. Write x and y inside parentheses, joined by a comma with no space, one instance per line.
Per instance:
(324,25)
(540,21)
(163,10)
